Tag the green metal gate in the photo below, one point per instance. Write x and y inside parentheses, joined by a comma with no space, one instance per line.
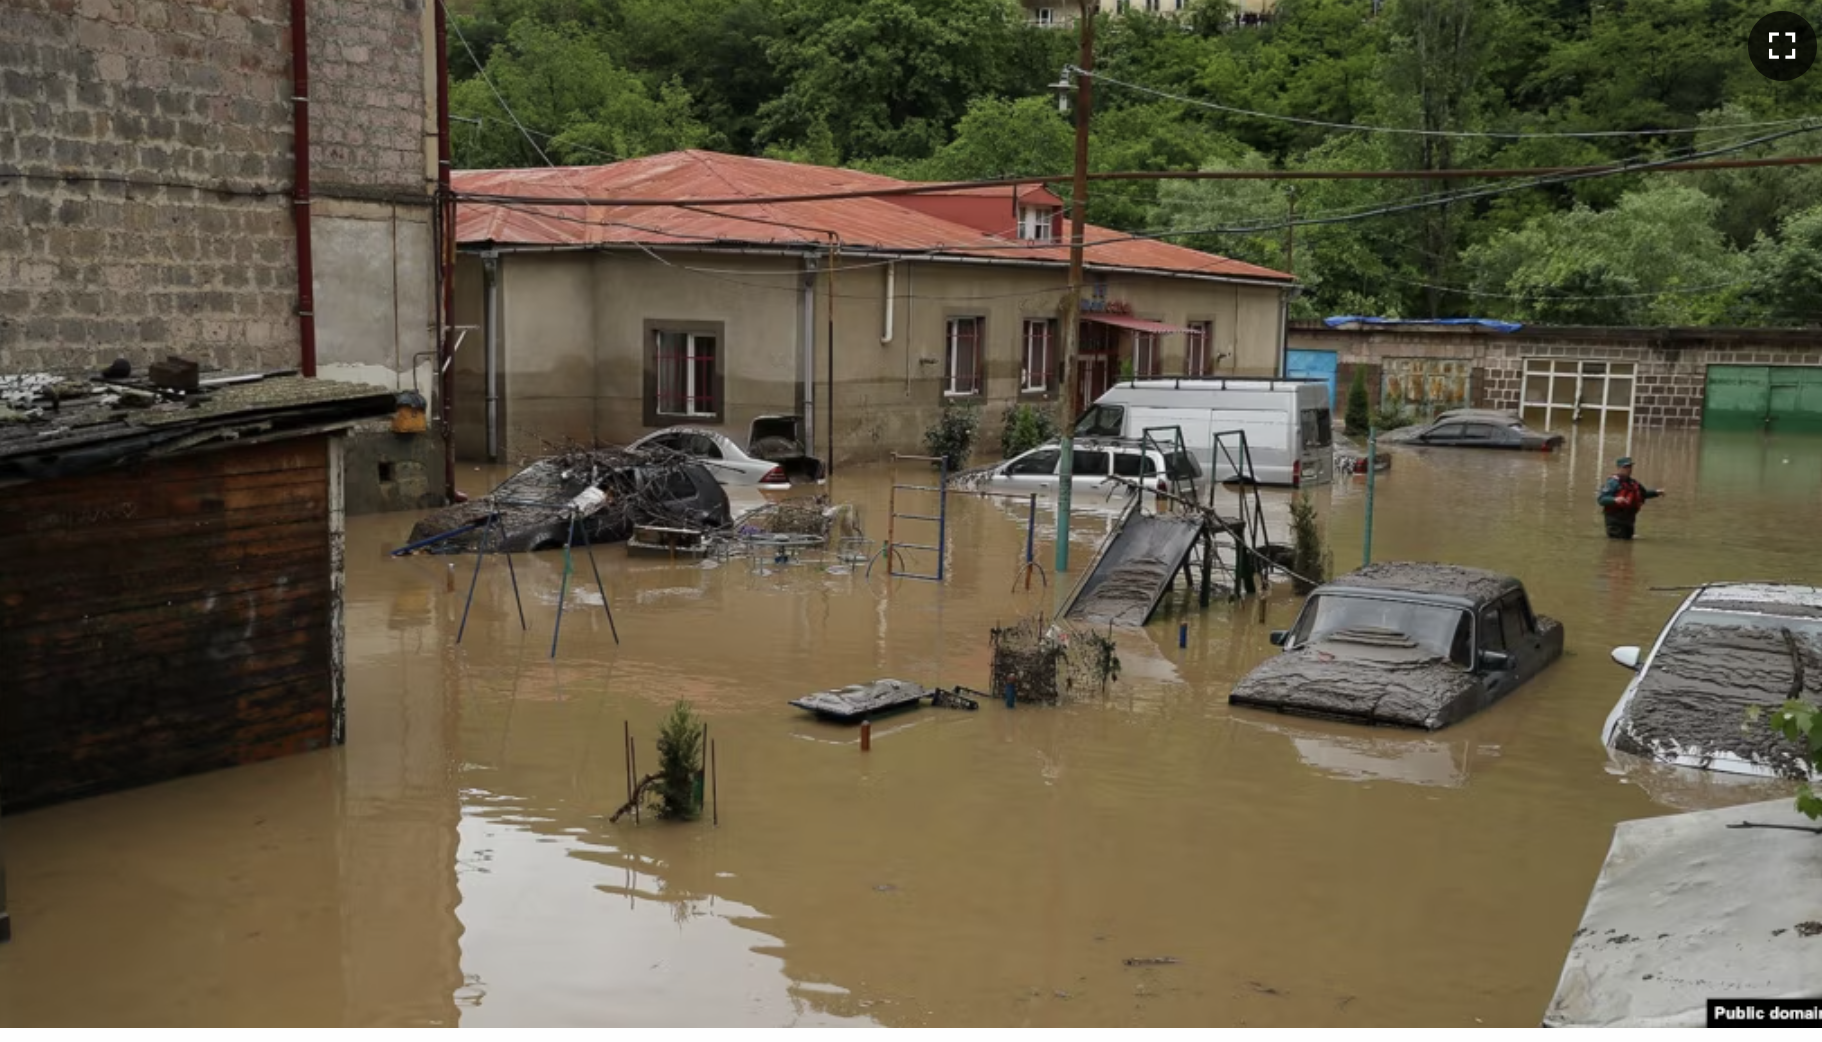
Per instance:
(1784,398)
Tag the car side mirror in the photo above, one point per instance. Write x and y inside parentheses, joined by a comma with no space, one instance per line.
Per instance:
(1495,660)
(1627,656)
(1279,636)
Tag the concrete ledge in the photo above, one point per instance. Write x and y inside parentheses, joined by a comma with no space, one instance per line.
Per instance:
(1687,910)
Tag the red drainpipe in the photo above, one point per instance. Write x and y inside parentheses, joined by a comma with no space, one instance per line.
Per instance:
(446,215)
(300,190)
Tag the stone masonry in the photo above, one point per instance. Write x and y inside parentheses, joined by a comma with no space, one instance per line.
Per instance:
(1672,364)
(146,162)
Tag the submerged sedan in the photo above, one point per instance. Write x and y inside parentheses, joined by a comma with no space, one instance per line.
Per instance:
(774,456)
(1476,429)
(1405,644)
(1731,649)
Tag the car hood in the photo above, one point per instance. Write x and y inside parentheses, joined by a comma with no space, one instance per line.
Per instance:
(1327,681)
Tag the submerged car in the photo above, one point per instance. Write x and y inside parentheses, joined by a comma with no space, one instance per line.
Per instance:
(775,454)
(1728,650)
(1351,459)
(533,507)
(1476,429)
(1094,461)
(1405,644)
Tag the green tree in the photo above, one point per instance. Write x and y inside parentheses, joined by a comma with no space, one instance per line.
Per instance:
(1001,138)
(680,764)
(580,106)
(1360,407)
(1786,286)
(1655,259)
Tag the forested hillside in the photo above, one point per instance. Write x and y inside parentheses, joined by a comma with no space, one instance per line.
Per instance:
(957,89)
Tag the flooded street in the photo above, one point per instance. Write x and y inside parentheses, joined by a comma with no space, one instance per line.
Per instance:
(453,864)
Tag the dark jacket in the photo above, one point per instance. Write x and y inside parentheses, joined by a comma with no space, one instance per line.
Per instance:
(1623,495)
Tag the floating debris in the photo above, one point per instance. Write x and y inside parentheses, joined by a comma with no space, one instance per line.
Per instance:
(1042,663)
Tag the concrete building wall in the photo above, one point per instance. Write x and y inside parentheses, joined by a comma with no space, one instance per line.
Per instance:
(576,341)
(1671,364)
(153,143)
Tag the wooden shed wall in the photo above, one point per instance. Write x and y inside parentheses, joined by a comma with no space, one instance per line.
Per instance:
(166,619)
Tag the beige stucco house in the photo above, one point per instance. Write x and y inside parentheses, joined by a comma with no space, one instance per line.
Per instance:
(605,302)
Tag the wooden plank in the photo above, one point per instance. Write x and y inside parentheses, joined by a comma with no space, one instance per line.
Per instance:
(101,591)
(228,654)
(195,471)
(112,514)
(186,602)
(236,548)
(147,530)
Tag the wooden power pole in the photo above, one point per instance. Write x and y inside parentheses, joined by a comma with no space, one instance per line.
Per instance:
(1072,321)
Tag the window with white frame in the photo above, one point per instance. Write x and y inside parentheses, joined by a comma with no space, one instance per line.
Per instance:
(1558,390)
(1147,356)
(1040,354)
(1046,16)
(684,365)
(1154,6)
(962,355)
(1035,223)
(1198,357)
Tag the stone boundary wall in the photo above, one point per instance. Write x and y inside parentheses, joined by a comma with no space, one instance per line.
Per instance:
(146,153)
(1672,364)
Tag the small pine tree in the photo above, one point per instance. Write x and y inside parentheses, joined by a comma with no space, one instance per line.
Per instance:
(1307,557)
(1360,409)
(679,764)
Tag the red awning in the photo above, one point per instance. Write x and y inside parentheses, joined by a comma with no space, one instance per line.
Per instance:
(1143,325)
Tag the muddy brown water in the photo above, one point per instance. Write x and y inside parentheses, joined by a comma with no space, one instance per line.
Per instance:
(453,863)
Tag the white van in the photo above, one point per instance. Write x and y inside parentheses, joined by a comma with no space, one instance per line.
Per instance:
(1287,424)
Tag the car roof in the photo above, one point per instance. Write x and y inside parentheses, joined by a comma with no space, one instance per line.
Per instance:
(1786,599)
(1112,444)
(1426,581)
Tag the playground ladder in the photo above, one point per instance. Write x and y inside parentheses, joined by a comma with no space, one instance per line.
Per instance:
(894,559)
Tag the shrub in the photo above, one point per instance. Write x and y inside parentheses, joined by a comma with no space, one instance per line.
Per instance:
(1025,428)
(952,436)
(1391,416)
(1307,556)
(1360,409)
(679,764)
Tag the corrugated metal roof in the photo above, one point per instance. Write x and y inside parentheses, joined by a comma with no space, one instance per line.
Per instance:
(882,223)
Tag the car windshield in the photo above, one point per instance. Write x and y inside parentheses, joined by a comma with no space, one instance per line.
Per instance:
(1442,631)
(1701,618)
(1102,421)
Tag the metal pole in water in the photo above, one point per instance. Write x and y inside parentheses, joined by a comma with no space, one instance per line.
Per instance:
(866,735)
(1011,695)
(1183,635)
(1366,552)
(474,580)
(1066,479)
(714,786)
(942,515)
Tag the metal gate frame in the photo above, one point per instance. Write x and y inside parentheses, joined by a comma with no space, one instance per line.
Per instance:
(1576,407)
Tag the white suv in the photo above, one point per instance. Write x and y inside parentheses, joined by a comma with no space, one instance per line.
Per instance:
(1096,460)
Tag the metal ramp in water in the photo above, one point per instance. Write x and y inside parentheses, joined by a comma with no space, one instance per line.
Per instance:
(1134,567)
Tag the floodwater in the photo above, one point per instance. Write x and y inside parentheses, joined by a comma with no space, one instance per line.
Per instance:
(453,863)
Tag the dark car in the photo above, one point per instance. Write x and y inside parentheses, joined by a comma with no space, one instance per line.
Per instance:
(1475,429)
(1405,644)
(533,505)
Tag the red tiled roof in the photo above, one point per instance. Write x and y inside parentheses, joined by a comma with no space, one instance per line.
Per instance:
(888,223)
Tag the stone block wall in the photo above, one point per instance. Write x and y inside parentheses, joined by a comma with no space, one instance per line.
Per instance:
(146,164)
(1671,364)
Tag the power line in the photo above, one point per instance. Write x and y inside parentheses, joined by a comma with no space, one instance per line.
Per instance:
(1504,135)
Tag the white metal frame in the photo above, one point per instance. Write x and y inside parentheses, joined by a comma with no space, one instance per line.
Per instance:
(951,329)
(1553,369)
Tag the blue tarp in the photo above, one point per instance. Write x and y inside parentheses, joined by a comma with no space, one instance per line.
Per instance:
(1486,323)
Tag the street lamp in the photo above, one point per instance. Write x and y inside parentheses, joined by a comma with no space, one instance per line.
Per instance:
(1062,87)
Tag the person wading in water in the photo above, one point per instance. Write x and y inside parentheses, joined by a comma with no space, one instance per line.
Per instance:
(1621,497)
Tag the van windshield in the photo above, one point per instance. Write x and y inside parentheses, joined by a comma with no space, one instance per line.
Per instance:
(1101,421)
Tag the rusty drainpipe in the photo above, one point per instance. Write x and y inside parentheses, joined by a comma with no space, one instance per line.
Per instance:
(445,257)
(300,189)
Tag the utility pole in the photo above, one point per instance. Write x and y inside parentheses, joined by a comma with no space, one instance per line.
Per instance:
(1072,322)
(1290,236)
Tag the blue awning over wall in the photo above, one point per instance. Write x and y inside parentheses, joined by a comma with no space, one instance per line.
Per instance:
(1485,323)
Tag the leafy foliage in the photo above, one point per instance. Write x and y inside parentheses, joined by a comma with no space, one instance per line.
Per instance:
(680,764)
(951,437)
(1360,407)
(958,89)
(1308,558)
(1025,427)
(1801,721)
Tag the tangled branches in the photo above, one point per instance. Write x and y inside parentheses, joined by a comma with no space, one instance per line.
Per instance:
(1043,663)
